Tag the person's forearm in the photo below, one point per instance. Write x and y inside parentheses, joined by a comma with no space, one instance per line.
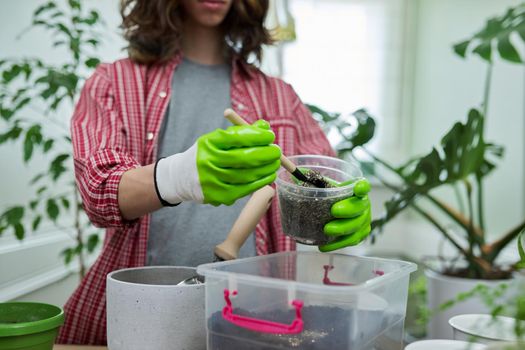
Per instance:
(136,193)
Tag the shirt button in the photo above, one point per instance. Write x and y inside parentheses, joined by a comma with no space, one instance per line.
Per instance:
(240,106)
(149,136)
(163,94)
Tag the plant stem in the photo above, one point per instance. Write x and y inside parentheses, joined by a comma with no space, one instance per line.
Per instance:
(486,95)
(481,219)
(442,229)
(494,249)
(457,193)
(428,216)
(454,214)
(469,256)
(486,100)
(471,235)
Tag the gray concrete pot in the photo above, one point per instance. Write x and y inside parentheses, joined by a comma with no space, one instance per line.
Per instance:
(147,310)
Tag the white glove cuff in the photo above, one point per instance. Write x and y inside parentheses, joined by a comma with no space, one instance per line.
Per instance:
(177,178)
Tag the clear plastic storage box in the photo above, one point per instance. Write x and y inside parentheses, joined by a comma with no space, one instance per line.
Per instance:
(306,300)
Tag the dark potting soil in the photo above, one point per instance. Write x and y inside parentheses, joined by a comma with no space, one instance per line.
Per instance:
(304,218)
(325,328)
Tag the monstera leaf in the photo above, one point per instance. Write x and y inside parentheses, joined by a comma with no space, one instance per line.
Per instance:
(321,115)
(354,131)
(363,133)
(497,33)
(463,153)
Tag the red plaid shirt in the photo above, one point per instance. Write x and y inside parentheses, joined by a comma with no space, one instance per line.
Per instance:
(115,128)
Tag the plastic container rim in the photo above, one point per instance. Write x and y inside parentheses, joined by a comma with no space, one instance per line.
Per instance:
(209,270)
(114,280)
(32,327)
(288,185)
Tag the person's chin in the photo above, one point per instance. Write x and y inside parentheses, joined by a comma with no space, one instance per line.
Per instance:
(211,21)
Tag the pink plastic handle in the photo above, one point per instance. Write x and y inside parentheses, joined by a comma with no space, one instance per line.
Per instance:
(263,326)
(327,280)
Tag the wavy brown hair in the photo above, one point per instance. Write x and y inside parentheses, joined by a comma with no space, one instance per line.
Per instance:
(153,29)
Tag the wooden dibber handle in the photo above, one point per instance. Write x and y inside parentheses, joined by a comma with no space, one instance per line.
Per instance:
(245,224)
(236,119)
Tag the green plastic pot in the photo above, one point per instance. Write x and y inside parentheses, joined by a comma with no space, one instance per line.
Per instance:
(29,326)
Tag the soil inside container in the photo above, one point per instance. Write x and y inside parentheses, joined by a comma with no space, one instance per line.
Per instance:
(326,328)
(304,218)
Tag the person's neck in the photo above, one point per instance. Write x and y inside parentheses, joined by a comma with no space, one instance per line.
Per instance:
(202,44)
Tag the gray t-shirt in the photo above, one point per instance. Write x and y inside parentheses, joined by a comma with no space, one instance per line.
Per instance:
(186,235)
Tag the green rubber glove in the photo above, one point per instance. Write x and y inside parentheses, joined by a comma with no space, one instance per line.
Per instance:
(352,219)
(235,162)
(221,167)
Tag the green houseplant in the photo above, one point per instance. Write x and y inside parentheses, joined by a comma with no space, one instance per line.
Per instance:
(462,160)
(33,94)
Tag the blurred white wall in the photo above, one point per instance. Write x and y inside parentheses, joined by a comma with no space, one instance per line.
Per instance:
(348,55)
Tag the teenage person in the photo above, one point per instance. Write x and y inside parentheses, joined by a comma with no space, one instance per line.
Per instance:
(155,158)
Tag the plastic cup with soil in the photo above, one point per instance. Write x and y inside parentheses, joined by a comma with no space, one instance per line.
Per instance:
(305,209)
(29,326)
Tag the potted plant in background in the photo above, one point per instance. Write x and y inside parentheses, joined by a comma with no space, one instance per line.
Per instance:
(516,308)
(503,327)
(463,160)
(33,97)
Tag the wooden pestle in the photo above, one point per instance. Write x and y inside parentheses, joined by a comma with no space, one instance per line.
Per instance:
(286,163)
(245,224)
(254,209)
(250,215)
